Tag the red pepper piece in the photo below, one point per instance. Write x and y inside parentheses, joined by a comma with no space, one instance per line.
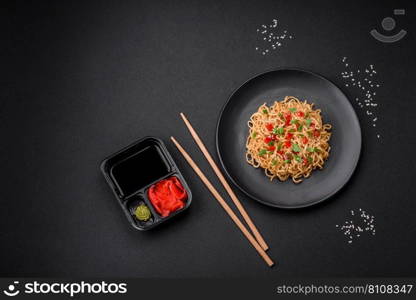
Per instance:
(269,127)
(300,114)
(305,140)
(289,136)
(288,144)
(316,133)
(271,148)
(288,118)
(268,139)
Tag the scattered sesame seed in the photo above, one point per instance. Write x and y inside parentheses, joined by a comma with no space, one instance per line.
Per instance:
(364,84)
(360,223)
(269,35)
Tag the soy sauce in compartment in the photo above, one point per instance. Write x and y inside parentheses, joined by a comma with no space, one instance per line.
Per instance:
(139,170)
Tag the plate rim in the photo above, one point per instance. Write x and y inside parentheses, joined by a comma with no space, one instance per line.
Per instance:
(258,199)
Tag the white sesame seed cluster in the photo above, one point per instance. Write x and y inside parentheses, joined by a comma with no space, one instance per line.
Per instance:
(270,37)
(364,84)
(359,224)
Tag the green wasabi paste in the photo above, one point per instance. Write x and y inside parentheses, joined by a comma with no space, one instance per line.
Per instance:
(142,212)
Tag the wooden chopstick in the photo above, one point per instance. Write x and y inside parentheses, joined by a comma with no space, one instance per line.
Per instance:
(224,182)
(224,204)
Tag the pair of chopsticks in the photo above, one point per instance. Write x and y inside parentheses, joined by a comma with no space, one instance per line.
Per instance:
(257,240)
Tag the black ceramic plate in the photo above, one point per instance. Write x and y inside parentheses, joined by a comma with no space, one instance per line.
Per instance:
(345,141)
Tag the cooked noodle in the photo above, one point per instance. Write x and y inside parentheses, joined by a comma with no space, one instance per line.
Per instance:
(288,139)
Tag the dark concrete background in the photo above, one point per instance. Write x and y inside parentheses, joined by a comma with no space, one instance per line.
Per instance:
(80,80)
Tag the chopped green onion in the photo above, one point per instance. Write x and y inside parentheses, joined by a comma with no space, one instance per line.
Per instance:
(297,158)
(271,143)
(265,111)
(310,160)
(279,131)
(309,149)
(300,128)
(308,122)
(254,135)
(292,109)
(287,161)
(262,152)
(274,162)
(279,146)
(295,148)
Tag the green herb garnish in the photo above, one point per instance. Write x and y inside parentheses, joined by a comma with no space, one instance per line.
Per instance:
(310,160)
(292,109)
(271,143)
(295,148)
(254,135)
(279,131)
(265,111)
(300,128)
(287,161)
(292,130)
(262,152)
(274,162)
(308,122)
(309,149)
(294,121)
(297,158)
(279,146)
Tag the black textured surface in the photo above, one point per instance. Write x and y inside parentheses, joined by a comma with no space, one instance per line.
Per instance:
(273,86)
(81,80)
